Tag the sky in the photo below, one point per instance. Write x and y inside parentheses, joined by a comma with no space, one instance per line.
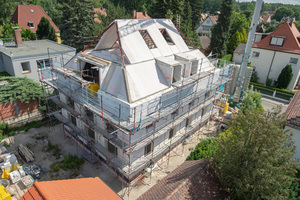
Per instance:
(297,2)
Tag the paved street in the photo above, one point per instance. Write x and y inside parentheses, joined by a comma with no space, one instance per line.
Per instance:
(268,104)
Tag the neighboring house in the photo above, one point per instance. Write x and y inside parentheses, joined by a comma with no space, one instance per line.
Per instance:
(148,91)
(28,58)
(205,27)
(292,113)
(270,55)
(70,189)
(204,42)
(191,180)
(266,18)
(238,53)
(29,17)
(97,12)
(139,15)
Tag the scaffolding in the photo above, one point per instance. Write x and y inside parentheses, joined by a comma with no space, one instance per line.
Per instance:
(119,123)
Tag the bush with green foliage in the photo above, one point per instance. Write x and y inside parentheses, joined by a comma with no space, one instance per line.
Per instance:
(21,88)
(272,88)
(27,33)
(251,100)
(205,149)
(69,162)
(269,82)
(285,77)
(254,77)
(45,30)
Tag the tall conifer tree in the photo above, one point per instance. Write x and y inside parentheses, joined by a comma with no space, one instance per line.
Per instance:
(221,31)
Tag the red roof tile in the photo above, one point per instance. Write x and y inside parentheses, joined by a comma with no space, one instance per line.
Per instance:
(30,13)
(191,180)
(214,19)
(292,112)
(290,44)
(72,189)
(265,17)
(101,11)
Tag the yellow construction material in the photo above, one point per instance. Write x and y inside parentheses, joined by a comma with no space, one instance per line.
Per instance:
(225,106)
(4,195)
(94,87)
(5,174)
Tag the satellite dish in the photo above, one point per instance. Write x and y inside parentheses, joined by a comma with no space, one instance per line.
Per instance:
(1,42)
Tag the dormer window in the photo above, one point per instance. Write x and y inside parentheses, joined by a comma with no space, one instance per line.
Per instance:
(148,40)
(277,41)
(167,36)
(30,24)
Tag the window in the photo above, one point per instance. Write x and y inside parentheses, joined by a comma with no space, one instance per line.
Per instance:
(30,24)
(255,54)
(188,122)
(293,61)
(167,36)
(70,102)
(73,120)
(148,149)
(89,114)
(191,104)
(43,63)
(25,67)
(112,149)
(175,113)
(147,39)
(91,133)
(171,133)
(277,41)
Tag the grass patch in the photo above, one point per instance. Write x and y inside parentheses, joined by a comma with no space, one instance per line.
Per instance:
(4,74)
(51,147)
(69,162)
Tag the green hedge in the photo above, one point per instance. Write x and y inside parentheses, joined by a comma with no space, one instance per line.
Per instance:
(272,88)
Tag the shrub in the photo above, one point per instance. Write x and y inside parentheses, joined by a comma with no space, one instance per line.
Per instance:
(205,149)
(272,88)
(4,127)
(254,77)
(285,77)
(269,82)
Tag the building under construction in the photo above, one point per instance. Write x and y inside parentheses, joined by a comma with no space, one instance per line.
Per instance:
(136,95)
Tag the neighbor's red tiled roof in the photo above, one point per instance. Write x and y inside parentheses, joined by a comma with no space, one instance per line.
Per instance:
(214,19)
(292,112)
(72,189)
(191,180)
(23,15)
(291,43)
(97,11)
(265,17)
(140,15)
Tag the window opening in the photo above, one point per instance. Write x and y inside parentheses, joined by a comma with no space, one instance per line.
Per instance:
(148,149)
(167,36)
(43,63)
(30,24)
(171,133)
(255,54)
(148,40)
(277,41)
(112,149)
(90,73)
(25,67)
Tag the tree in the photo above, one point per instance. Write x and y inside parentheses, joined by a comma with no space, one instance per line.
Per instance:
(251,100)
(282,12)
(45,30)
(27,33)
(221,31)
(239,21)
(254,77)
(197,7)
(7,9)
(78,23)
(285,77)
(237,38)
(170,8)
(253,159)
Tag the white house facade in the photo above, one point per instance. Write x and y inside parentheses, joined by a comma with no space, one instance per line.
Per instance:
(270,55)
(205,27)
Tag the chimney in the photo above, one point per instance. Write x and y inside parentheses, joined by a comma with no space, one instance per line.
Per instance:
(134,14)
(18,38)
(145,13)
(291,21)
